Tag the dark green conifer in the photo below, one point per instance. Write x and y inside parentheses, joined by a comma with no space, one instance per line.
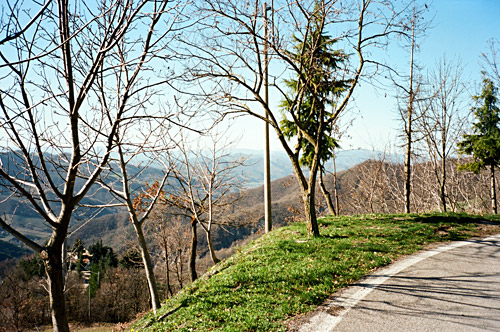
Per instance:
(484,143)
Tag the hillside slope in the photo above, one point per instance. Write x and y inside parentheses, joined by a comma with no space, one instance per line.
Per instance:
(285,273)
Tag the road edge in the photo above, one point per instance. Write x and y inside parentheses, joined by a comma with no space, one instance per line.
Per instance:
(329,314)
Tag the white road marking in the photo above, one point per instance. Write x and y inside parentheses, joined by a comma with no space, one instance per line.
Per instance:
(325,322)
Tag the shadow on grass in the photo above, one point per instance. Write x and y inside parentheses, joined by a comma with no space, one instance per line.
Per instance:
(458,218)
(333,237)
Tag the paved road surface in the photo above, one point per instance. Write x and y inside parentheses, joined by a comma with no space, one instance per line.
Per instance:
(452,288)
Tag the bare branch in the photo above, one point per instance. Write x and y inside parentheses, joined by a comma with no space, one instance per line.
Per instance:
(33,245)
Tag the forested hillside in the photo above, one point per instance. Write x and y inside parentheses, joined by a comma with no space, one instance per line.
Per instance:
(105,221)
(370,187)
(373,186)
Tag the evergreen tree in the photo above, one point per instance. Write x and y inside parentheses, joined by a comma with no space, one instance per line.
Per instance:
(103,255)
(311,120)
(102,258)
(32,266)
(321,88)
(484,143)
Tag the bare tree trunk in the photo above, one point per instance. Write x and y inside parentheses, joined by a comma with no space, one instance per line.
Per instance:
(167,268)
(493,190)
(309,187)
(213,256)
(268,219)
(310,213)
(53,268)
(443,184)
(336,194)
(408,174)
(148,267)
(192,252)
(443,162)
(179,271)
(326,193)
(409,129)
(138,224)
(64,258)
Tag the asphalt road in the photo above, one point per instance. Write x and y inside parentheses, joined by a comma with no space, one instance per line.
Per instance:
(451,288)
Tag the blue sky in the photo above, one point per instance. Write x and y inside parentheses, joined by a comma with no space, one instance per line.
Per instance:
(460,29)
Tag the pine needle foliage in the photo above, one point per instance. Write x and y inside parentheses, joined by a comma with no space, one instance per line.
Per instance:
(314,91)
(484,144)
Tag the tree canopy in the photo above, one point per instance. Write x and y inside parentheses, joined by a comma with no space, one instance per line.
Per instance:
(484,143)
(318,85)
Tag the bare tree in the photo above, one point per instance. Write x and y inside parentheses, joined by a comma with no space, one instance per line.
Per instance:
(139,141)
(171,236)
(59,116)
(208,179)
(220,179)
(336,133)
(139,207)
(374,186)
(491,61)
(444,121)
(23,302)
(468,191)
(229,66)
(409,120)
(408,109)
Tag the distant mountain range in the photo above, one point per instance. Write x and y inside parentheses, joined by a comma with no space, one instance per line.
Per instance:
(281,165)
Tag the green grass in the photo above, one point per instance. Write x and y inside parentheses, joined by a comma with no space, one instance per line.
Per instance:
(286,273)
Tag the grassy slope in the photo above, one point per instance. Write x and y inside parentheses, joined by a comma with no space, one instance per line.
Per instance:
(286,273)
